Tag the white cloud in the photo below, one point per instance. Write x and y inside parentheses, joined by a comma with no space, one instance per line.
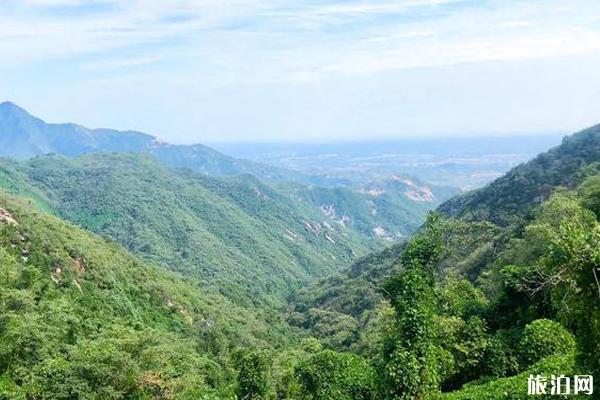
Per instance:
(119,63)
(294,66)
(272,38)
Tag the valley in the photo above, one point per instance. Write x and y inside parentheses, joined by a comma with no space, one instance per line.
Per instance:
(131,275)
(299,200)
(210,219)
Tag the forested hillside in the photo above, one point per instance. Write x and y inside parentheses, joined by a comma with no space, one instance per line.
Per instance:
(386,209)
(471,307)
(235,234)
(81,318)
(515,195)
(391,208)
(343,308)
(500,284)
(530,307)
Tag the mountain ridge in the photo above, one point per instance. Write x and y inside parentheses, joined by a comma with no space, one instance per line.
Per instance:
(235,233)
(516,193)
(23,136)
(481,223)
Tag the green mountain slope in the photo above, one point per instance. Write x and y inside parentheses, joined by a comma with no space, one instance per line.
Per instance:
(81,317)
(235,234)
(467,308)
(389,209)
(475,239)
(531,306)
(343,308)
(515,194)
(506,290)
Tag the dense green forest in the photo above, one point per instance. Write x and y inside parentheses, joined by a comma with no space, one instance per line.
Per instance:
(495,302)
(246,238)
(234,234)
(81,318)
(532,308)
(498,285)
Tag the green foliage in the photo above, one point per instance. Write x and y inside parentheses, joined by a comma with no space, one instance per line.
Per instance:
(502,356)
(411,363)
(253,373)
(570,268)
(236,235)
(515,387)
(458,297)
(461,329)
(481,334)
(81,318)
(382,208)
(328,375)
(344,309)
(353,299)
(468,350)
(13,181)
(556,277)
(516,194)
(589,192)
(424,249)
(543,338)
(285,381)
(466,306)
(338,330)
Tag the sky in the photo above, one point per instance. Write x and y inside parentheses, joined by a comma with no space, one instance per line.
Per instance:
(293,70)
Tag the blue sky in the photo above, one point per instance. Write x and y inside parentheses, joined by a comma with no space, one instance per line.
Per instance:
(242,70)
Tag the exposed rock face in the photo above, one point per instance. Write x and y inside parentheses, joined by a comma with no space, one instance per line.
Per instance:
(7,218)
(415,192)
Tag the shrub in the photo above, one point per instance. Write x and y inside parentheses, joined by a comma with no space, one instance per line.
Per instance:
(254,370)
(329,375)
(589,192)
(501,357)
(543,338)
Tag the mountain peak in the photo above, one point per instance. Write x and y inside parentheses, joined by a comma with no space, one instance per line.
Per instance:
(10,108)
(9,105)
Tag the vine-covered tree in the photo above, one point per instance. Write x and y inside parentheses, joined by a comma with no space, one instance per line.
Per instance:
(412,363)
(253,374)
(329,375)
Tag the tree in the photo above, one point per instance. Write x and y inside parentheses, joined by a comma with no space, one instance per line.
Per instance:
(566,271)
(329,375)
(411,363)
(571,267)
(254,370)
(589,192)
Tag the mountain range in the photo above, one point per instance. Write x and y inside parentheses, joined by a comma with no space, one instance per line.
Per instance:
(232,233)
(24,136)
(213,220)
(383,208)
(123,277)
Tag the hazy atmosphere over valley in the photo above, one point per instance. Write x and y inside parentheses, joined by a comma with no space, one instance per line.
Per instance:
(310,200)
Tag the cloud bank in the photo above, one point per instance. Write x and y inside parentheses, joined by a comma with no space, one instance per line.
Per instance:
(168,54)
